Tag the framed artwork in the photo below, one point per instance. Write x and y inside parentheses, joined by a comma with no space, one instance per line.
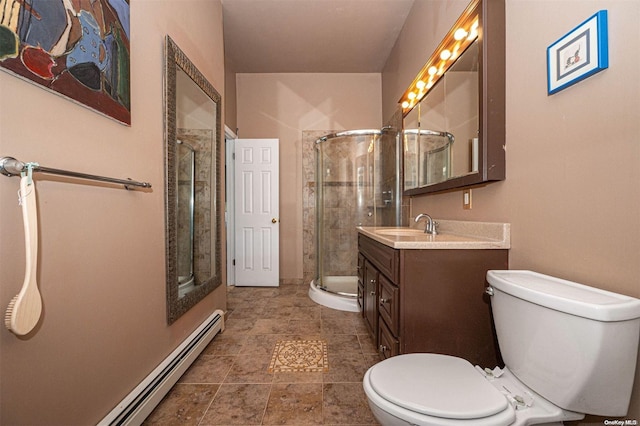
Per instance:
(78,49)
(579,54)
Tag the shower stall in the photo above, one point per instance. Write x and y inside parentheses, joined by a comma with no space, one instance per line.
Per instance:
(357,184)
(186,217)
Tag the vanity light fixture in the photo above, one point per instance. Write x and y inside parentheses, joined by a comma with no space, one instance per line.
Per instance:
(463,33)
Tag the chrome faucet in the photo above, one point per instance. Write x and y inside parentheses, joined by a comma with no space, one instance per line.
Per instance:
(431,225)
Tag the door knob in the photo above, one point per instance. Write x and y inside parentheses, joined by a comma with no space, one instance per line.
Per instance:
(274,220)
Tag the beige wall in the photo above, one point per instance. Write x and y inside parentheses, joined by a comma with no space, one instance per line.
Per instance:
(101,257)
(572,191)
(282,106)
(230,108)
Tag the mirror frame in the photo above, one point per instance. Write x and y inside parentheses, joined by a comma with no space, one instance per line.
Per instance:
(491,108)
(176,306)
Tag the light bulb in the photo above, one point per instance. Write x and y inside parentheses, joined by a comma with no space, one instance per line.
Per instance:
(445,54)
(420,84)
(454,54)
(474,30)
(432,70)
(405,105)
(411,95)
(460,34)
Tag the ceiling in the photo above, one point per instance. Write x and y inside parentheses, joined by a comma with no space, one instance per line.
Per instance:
(311,36)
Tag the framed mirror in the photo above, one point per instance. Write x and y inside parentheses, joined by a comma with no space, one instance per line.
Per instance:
(454,111)
(193,138)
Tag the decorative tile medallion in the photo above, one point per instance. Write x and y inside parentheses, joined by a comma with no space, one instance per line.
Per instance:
(299,355)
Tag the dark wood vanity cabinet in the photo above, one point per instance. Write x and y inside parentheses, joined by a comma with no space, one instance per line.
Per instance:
(429,300)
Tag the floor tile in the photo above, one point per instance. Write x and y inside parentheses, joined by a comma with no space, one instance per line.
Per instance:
(260,344)
(208,369)
(340,343)
(250,369)
(225,344)
(239,325)
(308,313)
(338,326)
(270,326)
(346,403)
(303,326)
(294,404)
(184,405)
(367,344)
(238,404)
(346,367)
(298,377)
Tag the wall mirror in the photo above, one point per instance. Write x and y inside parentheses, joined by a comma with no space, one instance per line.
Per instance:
(453,126)
(192,183)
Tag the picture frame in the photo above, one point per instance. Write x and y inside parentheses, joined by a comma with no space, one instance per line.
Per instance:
(579,54)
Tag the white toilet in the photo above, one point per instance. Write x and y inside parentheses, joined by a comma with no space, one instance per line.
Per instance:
(569,350)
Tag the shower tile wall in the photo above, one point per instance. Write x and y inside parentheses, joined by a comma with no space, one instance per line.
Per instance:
(341,248)
(202,140)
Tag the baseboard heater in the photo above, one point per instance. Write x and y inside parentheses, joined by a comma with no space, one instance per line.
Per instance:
(136,406)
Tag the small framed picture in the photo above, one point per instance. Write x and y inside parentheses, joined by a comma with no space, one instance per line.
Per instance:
(579,54)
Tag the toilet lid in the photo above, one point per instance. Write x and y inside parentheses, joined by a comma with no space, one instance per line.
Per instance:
(436,385)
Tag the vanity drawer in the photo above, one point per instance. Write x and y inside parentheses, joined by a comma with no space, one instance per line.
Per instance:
(386,259)
(388,345)
(389,304)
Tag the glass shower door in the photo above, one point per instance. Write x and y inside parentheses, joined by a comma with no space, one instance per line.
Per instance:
(346,198)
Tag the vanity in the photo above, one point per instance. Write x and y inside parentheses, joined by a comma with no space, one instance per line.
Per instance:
(425,293)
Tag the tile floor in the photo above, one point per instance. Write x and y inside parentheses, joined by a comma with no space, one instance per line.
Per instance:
(229,384)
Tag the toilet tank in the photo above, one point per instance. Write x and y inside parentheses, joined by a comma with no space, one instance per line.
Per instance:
(574,345)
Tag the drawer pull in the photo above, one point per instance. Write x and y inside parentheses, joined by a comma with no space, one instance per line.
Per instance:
(373,293)
(373,281)
(383,301)
(383,349)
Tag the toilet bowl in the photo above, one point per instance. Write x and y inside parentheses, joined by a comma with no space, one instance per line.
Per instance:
(442,390)
(554,336)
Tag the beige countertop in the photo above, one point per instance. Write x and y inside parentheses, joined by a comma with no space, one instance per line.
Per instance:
(452,234)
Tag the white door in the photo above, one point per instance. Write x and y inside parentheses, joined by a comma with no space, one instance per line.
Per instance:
(257,222)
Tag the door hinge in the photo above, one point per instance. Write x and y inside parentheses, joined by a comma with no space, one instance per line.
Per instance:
(233,262)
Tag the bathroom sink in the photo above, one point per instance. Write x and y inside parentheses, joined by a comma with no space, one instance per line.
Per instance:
(400,232)
(451,235)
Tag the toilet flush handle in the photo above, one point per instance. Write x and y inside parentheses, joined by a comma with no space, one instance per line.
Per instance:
(489,290)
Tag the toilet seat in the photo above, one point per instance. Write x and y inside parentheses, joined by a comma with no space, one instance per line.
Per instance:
(436,389)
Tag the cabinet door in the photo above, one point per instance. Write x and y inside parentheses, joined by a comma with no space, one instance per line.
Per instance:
(389,304)
(371,298)
(387,343)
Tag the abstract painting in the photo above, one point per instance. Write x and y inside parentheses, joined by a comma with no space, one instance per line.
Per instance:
(76,48)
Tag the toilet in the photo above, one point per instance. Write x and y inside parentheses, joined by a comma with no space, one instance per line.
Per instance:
(568,349)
